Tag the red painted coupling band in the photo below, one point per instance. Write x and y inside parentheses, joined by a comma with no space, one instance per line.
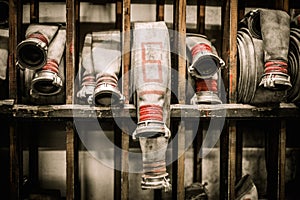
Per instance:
(111,79)
(158,167)
(206,85)
(201,47)
(276,66)
(88,80)
(51,65)
(151,112)
(40,37)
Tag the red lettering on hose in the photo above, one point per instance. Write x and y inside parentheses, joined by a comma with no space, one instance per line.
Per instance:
(151,61)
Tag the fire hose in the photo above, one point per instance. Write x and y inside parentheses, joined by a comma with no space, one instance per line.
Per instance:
(205,64)
(32,52)
(293,94)
(50,78)
(263,56)
(101,62)
(3,53)
(151,65)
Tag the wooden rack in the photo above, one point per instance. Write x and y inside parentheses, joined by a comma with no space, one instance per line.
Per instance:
(231,140)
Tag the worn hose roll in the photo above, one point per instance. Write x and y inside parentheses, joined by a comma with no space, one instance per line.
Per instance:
(293,94)
(106,55)
(4,34)
(4,12)
(151,64)
(88,79)
(250,59)
(49,79)
(32,52)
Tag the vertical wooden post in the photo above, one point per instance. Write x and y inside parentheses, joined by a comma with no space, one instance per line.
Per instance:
(72,18)
(16,164)
(71,162)
(160,10)
(201,16)
(282,160)
(180,60)
(34,11)
(125,89)
(70,48)
(15,22)
(282,5)
(229,75)
(197,171)
(33,146)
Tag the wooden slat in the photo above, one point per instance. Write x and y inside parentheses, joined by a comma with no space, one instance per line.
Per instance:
(70,48)
(282,160)
(160,10)
(125,89)
(14,37)
(230,111)
(72,188)
(179,22)
(282,5)
(224,155)
(118,23)
(201,16)
(232,159)
(16,169)
(34,11)
(197,167)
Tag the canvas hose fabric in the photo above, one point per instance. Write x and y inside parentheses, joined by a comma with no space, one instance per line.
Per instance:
(151,67)
(263,75)
(87,79)
(204,68)
(50,78)
(32,52)
(106,56)
(4,33)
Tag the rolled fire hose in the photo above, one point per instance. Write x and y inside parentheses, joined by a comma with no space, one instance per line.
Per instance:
(87,81)
(151,65)
(106,55)
(4,12)
(4,34)
(205,63)
(32,52)
(273,28)
(293,94)
(50,78)
(255,51)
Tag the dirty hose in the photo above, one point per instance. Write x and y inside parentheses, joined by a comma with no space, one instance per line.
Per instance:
(87,84)
(151,66)
(205,63)
(32,52)
(50,78)
(106,55)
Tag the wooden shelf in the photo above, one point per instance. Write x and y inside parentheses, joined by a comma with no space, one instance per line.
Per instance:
(67,111)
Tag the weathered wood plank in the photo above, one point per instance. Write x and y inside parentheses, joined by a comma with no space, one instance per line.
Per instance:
(201,16)
(179,26)
(16,169)
(72,188)
(160,10)
(126,11)
(70,48)
(282,160)
(14,37)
